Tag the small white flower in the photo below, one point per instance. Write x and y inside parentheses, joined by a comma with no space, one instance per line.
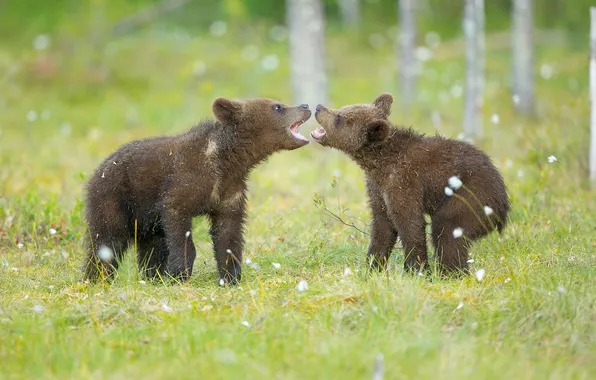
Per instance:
(166,308)
(520,173)
(20,245)
(448,191)
(142,282)
(495,118)
(270,62)
(302,286)
(41,42)
(420,274)
(221,282)
(561,289)
(52,231)
(455,183)
(551,159)
(480,274)
(246,324)
(38,308)
(218,28)
(507,280)
(229,251)
(276,265)
(31,116)
(488,211)
(248,261)
(14,269)
(458,232)
(51,287)
(347,271)
(187,234)
(470,261)
(105,253)
(461,304)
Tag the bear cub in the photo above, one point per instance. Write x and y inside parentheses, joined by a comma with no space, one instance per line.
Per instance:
(409,175)
(151,189)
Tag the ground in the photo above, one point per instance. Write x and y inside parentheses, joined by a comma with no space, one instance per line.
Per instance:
(532,314)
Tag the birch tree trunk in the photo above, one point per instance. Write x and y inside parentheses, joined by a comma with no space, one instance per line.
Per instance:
(306,27)
(407,58)
(592,158)
(471,128)
(350,12)
(521,39)
(481,57)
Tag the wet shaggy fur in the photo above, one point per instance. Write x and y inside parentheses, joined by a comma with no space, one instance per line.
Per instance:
(151,189)
(406,176)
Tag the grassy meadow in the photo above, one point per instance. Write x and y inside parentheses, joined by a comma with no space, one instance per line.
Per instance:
(65,107)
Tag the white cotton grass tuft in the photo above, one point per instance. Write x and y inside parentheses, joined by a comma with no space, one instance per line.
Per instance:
(347,271)
(495,118)
(38,308)
(455,183)
(480,274)
(20,245)
(551,159)
(448,191)
(507,280)
(302,286)
(221,282)
(187,234)
(458,232)
(53,231)
(470,261)
(246,324)
(105,253)
(459,306)
(488,211)
(166,308)
(276,265)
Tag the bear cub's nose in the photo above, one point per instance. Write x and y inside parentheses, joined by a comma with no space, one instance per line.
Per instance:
(319,107)
(305,106)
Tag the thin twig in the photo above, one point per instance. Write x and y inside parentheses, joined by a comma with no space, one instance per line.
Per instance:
(330,213)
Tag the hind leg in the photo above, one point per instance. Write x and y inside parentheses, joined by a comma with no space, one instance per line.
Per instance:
(452,251)
(107,241)
(153,255)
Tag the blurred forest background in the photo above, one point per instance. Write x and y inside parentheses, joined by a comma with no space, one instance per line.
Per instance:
(79,78)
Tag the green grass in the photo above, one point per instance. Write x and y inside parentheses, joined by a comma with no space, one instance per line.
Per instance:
(532,316)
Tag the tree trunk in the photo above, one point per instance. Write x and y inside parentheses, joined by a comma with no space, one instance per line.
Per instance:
(407,58)
(521,39)
(306,26)
(350,12)
(471,128)
(481,57)
(592,158)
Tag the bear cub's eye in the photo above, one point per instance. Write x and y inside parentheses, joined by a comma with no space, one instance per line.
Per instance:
(338,120)
(277,107)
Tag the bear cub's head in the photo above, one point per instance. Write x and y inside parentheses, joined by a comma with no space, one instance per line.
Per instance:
(273,124)
(354,127)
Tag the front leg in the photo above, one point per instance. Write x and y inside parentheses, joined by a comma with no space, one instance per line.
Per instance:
(383,234)
(227,230)
(182,252)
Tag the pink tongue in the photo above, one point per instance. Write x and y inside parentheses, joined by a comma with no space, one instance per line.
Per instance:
(318,133)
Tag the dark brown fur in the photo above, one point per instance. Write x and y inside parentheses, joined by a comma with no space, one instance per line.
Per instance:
(406,176)
(154,187)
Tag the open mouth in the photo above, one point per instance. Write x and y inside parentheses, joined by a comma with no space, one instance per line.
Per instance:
(318,133)
(294,130)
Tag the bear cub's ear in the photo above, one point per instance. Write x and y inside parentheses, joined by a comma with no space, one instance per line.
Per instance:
(226,110)
(383,102)
(377,131)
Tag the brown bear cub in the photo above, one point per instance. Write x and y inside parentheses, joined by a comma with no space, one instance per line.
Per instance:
(409,175)
(151,189)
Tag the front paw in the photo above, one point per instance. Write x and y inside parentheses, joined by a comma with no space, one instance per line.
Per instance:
(230,279)
(377,264)
(179,273)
